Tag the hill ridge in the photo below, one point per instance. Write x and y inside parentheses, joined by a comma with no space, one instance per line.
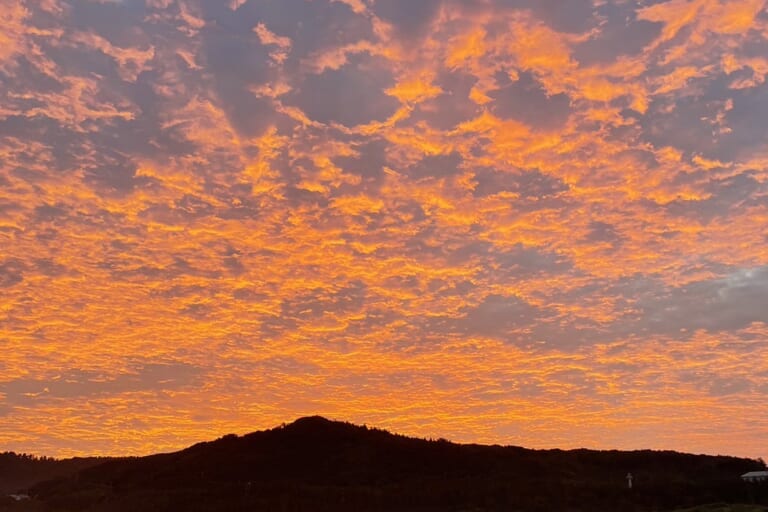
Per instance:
(317,464)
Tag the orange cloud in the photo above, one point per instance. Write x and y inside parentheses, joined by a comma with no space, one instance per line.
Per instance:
(11,39)
(450,221)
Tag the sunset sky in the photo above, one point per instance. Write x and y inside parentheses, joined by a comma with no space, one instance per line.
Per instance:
(531,222)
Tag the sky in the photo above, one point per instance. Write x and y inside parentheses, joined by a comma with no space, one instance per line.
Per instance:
(528,222)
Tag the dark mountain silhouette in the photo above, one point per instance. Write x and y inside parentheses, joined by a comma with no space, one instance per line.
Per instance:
(315,464)
(21,470)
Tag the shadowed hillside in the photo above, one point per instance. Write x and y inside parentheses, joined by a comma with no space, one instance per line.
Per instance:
(318,465)
(19,471)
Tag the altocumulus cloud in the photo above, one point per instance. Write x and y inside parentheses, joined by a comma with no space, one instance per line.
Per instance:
(480,220)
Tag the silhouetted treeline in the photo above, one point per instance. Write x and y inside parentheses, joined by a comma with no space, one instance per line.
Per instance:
(21,470)
(318,465)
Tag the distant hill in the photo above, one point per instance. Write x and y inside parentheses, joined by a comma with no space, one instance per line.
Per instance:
(319,465)
(19,471)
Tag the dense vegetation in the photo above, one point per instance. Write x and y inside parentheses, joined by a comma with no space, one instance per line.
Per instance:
(21,470)
(318,465)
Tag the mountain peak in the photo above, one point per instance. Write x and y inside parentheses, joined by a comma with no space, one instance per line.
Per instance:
(325,465)
(312,427)
(312,421)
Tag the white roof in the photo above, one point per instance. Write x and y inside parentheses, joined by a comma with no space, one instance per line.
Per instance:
(755,473)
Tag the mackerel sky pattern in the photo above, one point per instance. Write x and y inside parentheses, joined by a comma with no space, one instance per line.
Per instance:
(526,222)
